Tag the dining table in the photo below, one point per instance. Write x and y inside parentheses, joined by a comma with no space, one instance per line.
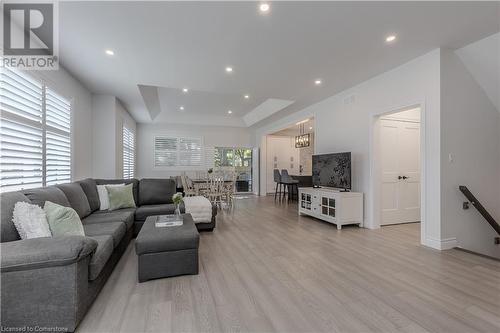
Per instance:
(201,184)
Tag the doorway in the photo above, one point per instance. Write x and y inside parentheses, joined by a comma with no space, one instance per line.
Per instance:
(285,152)
(400,174)
(236,160)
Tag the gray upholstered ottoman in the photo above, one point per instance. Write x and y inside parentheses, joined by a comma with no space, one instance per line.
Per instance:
(167,251)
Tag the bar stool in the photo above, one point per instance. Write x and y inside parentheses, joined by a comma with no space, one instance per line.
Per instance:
(277,180)
(290,184)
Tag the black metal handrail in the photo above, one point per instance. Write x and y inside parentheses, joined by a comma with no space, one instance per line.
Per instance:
(487,216)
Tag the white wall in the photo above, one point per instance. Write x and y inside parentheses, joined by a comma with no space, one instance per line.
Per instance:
(471,133)
(482,59)
(212,136)
(66,85)
(104,138)
(346,125)
(109,115)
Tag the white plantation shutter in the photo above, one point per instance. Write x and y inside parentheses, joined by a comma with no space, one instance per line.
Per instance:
(190,152)
(165,151)
(35,127)
(172,152)
(21,135)
(128,153)
(21,158)
(21,95)
(209,157)
(58,139)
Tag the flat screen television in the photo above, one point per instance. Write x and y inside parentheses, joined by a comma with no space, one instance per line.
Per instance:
(332,170)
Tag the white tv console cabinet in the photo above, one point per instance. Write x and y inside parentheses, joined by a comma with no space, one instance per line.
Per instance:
(330,205)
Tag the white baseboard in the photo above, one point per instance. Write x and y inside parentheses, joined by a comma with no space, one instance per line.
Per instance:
(441,244)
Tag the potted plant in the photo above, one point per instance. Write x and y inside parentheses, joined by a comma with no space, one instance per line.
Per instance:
(177,200)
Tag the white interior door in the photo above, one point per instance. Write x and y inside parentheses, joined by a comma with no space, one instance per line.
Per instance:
(400,160)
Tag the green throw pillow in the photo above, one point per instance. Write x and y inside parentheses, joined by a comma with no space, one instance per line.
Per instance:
(120,197)
(63,220)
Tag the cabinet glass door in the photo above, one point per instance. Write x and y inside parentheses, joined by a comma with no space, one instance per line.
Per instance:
(305,201)
(328,206)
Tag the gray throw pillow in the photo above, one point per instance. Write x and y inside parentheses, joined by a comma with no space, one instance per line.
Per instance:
(120,197)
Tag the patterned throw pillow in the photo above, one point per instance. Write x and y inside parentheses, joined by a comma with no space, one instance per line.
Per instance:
(63,221)
(30,221)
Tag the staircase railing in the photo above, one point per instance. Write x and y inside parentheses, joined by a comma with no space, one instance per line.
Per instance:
(480,208)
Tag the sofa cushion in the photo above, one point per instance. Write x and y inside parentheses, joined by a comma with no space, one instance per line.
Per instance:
(156,191)
(38,196)
(8,200)
(122,215)
(114,229)
(148,210)
(77,198)
(122,181)
(89,187)
(101,255)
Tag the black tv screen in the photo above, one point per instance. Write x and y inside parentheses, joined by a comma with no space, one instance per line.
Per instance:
(332,170)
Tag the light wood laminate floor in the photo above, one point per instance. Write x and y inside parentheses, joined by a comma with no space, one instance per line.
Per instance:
(264,269)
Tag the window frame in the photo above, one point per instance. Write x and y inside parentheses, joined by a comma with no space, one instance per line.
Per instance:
(46,84)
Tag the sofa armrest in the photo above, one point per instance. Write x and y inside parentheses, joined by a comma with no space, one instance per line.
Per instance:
(44,252)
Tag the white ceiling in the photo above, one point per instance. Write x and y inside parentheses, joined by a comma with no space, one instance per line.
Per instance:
(482,59)
(162,47)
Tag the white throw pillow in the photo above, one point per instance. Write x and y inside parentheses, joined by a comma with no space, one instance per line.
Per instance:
(30,221)
(103,195)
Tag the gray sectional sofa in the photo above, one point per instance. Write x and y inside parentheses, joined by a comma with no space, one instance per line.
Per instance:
(51,282)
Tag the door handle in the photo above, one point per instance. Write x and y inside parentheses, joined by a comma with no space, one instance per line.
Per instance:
(405,177)
(399,177)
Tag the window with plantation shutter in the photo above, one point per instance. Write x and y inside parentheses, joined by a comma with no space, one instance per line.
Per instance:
(128,153)
(165,151)
(58,138)
(190,152)
(35,127)
(178,152)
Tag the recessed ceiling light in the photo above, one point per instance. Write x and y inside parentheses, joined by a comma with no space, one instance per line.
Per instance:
(311,128)
(229,69)
(185,90)
(110,52)
(390,38)
(247,96)
(264,7)
(181,108)
(317,82)
(229,111)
